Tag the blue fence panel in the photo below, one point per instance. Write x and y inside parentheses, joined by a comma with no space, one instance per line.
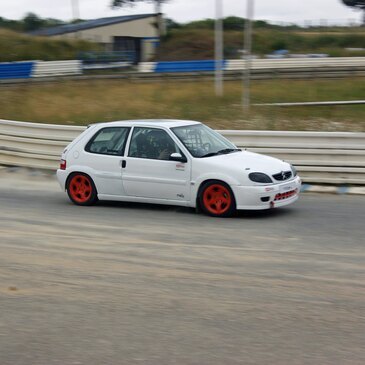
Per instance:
(186,66)
(16,70)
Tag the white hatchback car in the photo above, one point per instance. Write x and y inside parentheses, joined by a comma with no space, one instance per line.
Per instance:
(173,162)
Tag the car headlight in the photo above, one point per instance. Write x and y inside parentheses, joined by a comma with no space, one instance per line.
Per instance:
(259,177)
(294,170)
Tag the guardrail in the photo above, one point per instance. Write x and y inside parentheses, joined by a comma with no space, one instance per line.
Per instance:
(315,103)
(261,69)
(187,66)
(256,64)
(16,70)
(56,68)
(34,145)
(290,63)
(37,69)
(321,157)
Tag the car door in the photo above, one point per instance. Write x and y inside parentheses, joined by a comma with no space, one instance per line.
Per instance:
(148,171)
(103,154)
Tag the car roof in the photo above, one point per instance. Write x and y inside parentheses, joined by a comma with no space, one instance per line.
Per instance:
(166,123)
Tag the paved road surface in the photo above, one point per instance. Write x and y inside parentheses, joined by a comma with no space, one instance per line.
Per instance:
(138,284)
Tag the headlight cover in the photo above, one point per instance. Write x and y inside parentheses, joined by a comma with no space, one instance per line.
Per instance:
(294,170)
(260,177)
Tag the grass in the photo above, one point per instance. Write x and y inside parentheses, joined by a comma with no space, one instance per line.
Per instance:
(84,102)
(19,47)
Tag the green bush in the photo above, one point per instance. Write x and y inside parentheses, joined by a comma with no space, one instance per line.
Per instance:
(195,40)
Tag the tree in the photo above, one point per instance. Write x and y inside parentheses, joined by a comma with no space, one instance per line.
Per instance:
(32,22)
(16,25)
(171,24)
(158,3)
(357,4)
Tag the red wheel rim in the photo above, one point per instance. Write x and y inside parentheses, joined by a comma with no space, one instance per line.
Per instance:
(80,188)
(217,199)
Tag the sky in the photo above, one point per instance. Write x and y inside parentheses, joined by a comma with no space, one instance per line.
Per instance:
(295,11)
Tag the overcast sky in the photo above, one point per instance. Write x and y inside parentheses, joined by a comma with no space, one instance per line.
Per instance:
(186,10)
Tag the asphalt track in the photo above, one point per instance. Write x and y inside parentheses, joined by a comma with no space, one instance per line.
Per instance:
(138,284)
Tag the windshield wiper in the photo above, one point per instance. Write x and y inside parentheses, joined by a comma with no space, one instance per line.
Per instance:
(222,152)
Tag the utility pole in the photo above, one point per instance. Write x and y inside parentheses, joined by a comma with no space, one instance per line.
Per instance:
(219,47)
(159,18)
(75,13)
(75,9)
(248,55)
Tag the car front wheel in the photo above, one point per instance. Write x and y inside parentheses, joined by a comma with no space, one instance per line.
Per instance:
(216,199)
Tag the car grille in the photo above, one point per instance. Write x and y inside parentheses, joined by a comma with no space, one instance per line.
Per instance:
(282,176)
(287,195)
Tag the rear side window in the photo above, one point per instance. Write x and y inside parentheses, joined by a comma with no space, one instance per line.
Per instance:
(109,141)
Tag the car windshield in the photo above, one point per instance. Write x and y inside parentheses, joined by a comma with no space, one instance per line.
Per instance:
(201,141)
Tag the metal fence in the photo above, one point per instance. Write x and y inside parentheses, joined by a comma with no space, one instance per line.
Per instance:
(321,157)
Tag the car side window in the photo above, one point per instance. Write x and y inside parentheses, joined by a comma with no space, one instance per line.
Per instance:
(152,143)
(109,141)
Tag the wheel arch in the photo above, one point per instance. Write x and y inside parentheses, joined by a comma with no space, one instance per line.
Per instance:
(81,169)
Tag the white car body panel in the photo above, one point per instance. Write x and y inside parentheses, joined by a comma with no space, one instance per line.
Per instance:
(156,179)
(171,182)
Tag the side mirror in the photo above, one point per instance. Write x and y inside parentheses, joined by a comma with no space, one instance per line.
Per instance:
(178,157)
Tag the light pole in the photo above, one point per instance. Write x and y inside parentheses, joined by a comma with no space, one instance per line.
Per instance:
(219,47)
(248,56)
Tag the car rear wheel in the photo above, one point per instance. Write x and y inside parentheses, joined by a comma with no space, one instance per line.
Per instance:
(81,189)
(216,199)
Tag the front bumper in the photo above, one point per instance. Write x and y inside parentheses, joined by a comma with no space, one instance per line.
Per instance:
(266,197)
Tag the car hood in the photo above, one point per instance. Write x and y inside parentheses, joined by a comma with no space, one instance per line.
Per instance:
(251,162)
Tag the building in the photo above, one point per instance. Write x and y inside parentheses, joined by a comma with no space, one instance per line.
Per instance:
(135,33)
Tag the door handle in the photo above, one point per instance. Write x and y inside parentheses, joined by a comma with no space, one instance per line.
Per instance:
(123,163)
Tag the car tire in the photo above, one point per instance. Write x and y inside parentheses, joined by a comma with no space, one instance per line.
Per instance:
(216,199)
(81,189)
